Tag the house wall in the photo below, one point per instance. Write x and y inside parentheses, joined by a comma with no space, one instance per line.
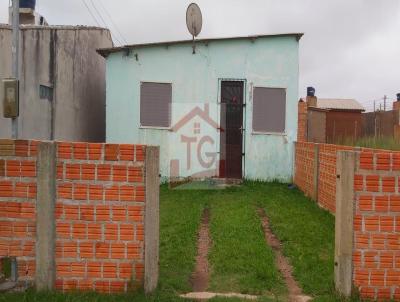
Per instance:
(343,125)
(65,58)
(269,62)
(380,123)
(316,126)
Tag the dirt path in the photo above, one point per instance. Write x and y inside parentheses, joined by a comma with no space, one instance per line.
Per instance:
(295,292)
(200,277)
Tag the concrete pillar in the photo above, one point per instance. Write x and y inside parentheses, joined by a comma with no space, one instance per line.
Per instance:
(344,231)
(316,173)
(152,220)
(45,217)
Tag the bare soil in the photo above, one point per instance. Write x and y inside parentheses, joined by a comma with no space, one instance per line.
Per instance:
(200,277)
(295,291)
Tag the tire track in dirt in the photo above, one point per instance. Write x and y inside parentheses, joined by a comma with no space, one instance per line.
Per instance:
(200,277)
(295,291)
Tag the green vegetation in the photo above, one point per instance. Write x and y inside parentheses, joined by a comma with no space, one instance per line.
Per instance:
(239,258)
(384,143)
(307,234)
(6,267)
(180,214)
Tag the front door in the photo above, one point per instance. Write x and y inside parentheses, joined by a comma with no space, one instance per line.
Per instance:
(231,137)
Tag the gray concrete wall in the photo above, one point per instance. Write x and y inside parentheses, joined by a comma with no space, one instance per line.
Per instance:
(5,71)
(63,57)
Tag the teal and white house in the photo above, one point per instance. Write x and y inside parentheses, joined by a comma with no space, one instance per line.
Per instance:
(219,108)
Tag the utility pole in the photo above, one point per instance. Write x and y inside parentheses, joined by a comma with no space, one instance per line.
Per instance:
(384,103)
(15,58)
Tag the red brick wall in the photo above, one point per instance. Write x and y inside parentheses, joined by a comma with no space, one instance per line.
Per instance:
(304,170)
(100,216)
(376,257)
(302,122)
(327,175)
(304,167)
(99,213)
(18,204)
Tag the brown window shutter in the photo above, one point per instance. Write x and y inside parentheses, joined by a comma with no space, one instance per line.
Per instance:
(155,104)
(269,109)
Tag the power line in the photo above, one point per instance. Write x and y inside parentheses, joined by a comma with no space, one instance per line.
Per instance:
(102,19)
(112,21)
(90,12)
(98,13)
(96,20)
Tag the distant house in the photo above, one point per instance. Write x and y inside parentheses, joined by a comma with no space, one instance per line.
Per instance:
(333,120)
(62,80)
(226,109)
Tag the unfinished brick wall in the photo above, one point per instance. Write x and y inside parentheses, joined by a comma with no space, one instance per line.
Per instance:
(302,122)
(376,256)
(100,207)
(18,204)
(304,167)
(100,216)
(327,174)
(315,171)
(367,226)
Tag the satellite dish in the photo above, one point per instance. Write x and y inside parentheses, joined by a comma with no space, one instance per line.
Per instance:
(194,19)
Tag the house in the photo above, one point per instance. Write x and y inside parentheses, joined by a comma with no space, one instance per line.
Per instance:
(332,120)
(62,80)
(219,108)
(383,123)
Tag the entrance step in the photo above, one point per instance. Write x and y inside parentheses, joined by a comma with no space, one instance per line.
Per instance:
(208,295)
(7,286)
(204,184)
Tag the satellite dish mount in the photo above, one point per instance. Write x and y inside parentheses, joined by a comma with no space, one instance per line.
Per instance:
(194,22)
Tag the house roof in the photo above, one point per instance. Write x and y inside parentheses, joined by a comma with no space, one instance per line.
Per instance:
(106,51)
(339,104)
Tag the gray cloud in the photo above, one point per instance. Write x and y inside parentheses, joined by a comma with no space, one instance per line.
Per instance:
(350,49)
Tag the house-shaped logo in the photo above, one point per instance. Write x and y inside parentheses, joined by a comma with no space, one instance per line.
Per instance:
(195,153)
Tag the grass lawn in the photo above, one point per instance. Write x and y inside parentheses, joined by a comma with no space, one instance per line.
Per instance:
(384,143)
(239,258)
(307,234)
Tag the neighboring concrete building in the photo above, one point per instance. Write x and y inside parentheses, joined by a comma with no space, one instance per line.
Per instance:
(228,110)
(332,120)
(62,82)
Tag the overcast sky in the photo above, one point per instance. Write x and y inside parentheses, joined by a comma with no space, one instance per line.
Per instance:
(351,48)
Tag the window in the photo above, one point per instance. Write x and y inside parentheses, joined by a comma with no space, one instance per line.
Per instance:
(269,109)
(155,104)
(46,92)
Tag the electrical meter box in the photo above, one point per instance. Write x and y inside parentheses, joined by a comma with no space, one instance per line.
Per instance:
(10,98)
